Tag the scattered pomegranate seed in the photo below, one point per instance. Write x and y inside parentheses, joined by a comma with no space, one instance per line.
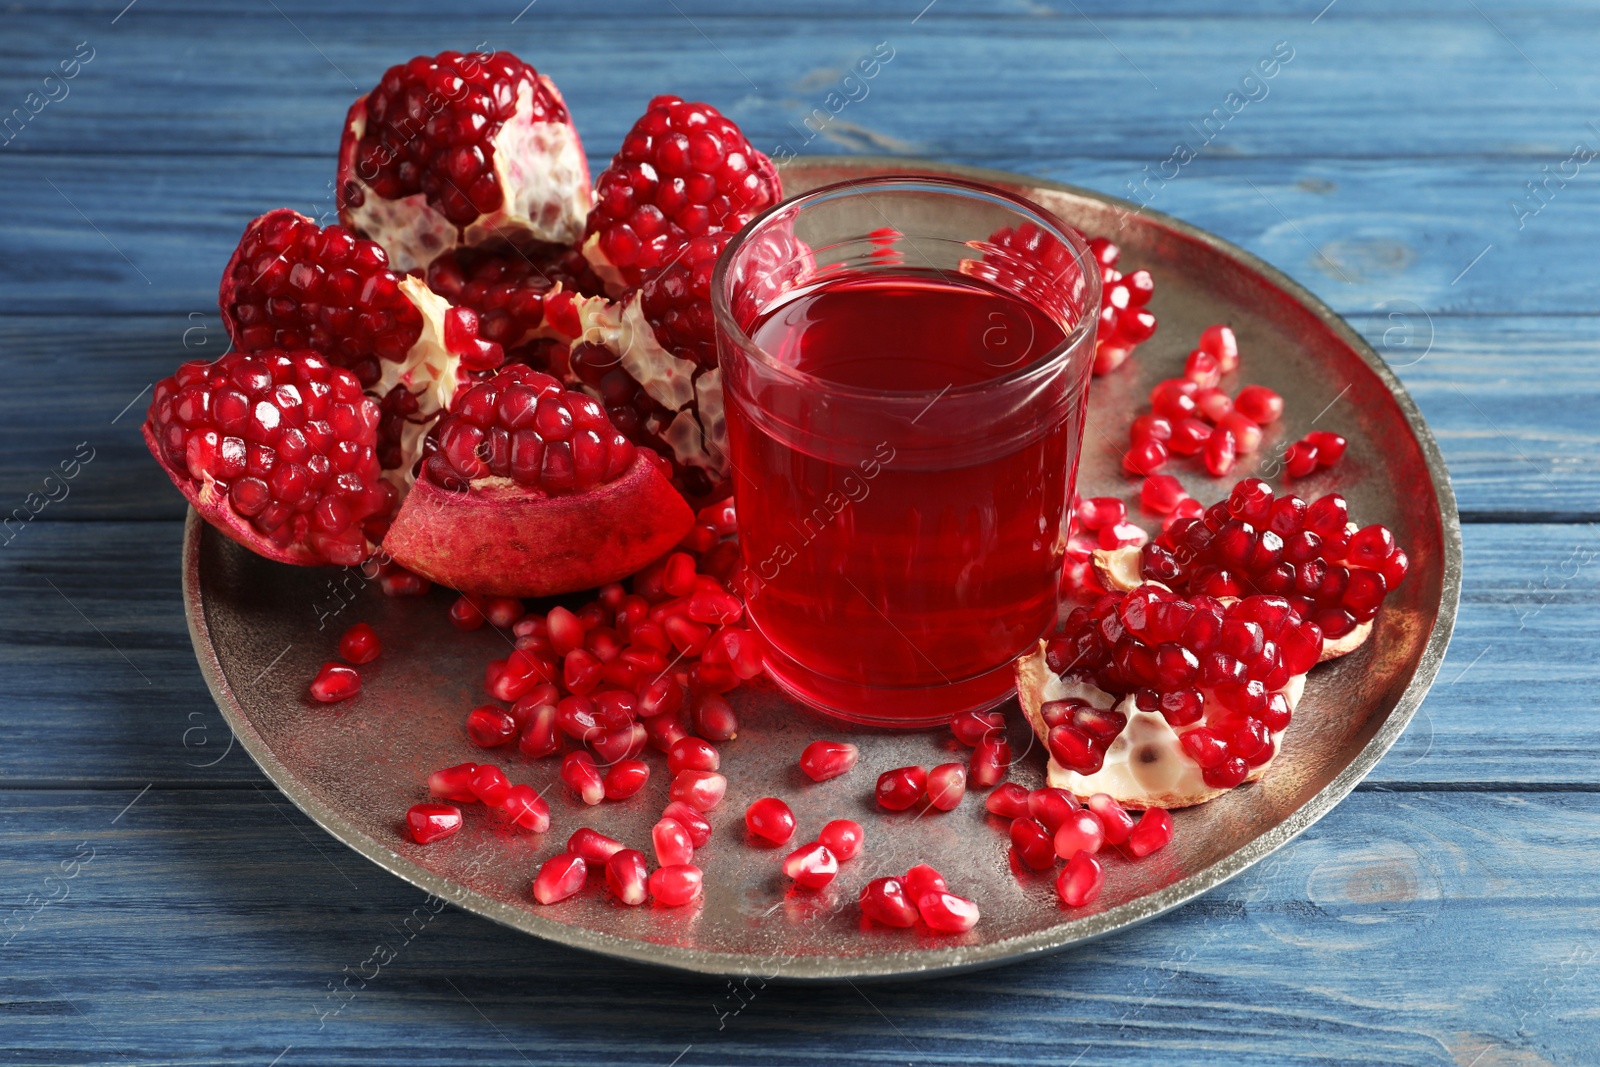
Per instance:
(947,784)
(771,820)
(1220,452)
(693,754)
(1008,801)
(1098,512)
(465,614)
(947,913)
(527,809)
(1115,822)
(454,783)
(675,885)
(1203,369)
(970,727)
(627,876)
(1082,832)
(1161,493)
(823,760)
(1300,459)
(396,581)
(1219,342)
(902,787)
(582,777)
(502,611)
(490,785)
(1214,404)
(1246,432)
(884,900)
(559,878)
(922,879)
(1051,806)
(489,726)
(698,826)
(672,842)
(1259,404)
(539,737)
(335,682)
(1080,881)
(701,790)
(428,823)
(1330,447)
(844,838)
(812,866)
(990,763)
(1032,843)
(1153,831)
(1145,458)
(359,644)
(1121,535)
(626,777)
(713,717)
(592,846)
(1189,437)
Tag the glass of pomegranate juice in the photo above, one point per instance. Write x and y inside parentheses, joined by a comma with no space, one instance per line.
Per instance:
(905,363)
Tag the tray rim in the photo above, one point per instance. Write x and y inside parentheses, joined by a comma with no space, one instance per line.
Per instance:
(921,962)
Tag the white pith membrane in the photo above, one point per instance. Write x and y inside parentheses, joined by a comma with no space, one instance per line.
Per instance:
(1145,766)
(695,425)
(430,373)
(543,176)
(1119,570)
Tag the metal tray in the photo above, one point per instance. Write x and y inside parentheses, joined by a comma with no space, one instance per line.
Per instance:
(261,630)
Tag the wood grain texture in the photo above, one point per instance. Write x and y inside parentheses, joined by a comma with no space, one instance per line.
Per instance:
(209,929)
(104,687)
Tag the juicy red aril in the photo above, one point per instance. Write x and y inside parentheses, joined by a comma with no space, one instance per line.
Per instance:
(1051,806)
(1220,342)
(1145,458)
(1202,369)
(1226,775)
(1114,820)
(1080,880)
(527,809)
(1174,399)
(1152,832)
(1330,446)
(884,900)
(1300,459)
(453,783)
(1220,452)
(580,774)
(1370,547)
(990,763)
(1205,746)
(683,170)
(672,842)
(1259,404)
(1008,801)
(1083,832)
(1074,749)
(559,877)
(427,823)
(675,885)
(1121,535)
(812,866)
(292,284)
(508,290)
(694,822)
(693,754)
(970,727)
(626,777)
(1364,594)
(921,880)
(1189,436)
(1214,404)
(335,682)
(947,913)
(490,726)
(540,737)
(1032,843)
(844,838)
(627,876)
(823,760)
(1160,493)
(1100,511)
(713,717)
(664,731)
(900,788)
(359,644)
(947,784)
(770,819)
(701,790)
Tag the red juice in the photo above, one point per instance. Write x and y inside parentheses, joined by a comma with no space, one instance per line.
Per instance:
(897,575)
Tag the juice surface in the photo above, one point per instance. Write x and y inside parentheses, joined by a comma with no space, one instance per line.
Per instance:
(877,576)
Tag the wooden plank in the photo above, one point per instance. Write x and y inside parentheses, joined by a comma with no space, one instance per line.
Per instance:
(151,233)
(104,687)
(1510,399)
(959,85)
(210,921)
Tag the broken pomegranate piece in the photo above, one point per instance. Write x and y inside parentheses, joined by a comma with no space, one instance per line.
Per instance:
(683,170)
(527,490)
(524,299)
(461,149)
(278,451)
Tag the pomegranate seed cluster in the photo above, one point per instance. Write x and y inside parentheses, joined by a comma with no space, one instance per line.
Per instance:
(288,439)
(683,171)
(1125,322)
(431,128)
(509,291)
(1047,825)
(677,299)
(294,285)
(1254,542)
(523,425)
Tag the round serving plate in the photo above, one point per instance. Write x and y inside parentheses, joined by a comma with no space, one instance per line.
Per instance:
(262,629)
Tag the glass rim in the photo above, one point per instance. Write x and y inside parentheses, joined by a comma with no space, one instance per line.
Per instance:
(1036,213)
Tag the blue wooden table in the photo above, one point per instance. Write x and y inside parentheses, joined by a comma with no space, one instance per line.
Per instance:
(160,903)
